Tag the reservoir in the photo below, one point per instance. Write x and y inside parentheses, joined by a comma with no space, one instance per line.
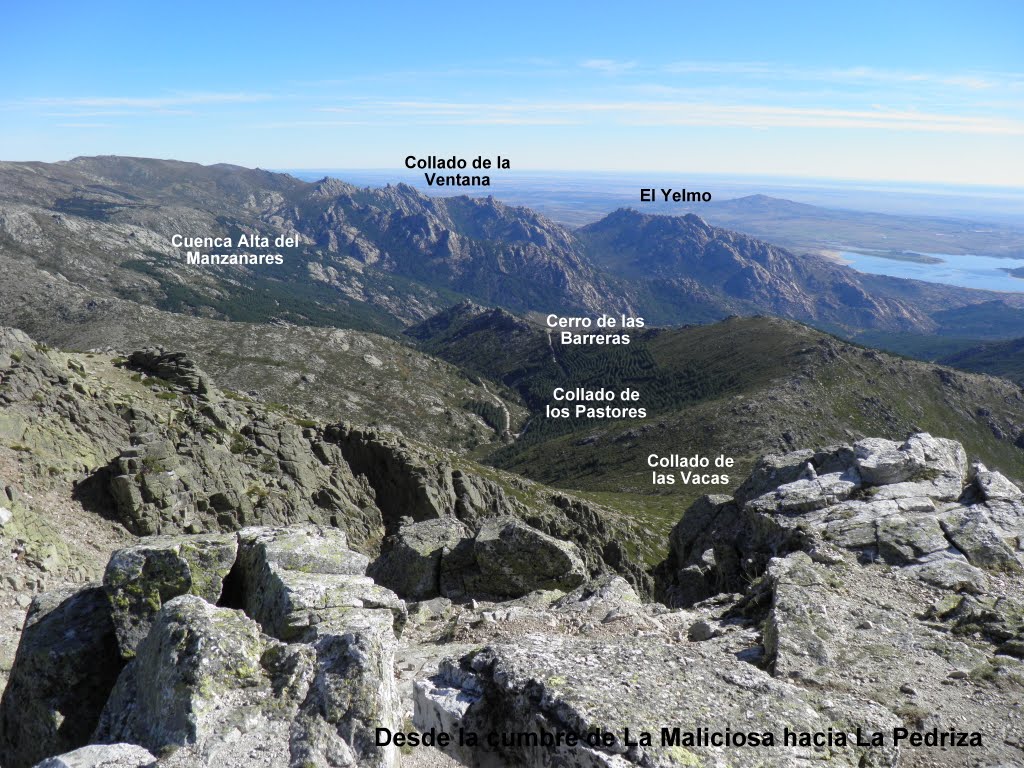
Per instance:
(966,270)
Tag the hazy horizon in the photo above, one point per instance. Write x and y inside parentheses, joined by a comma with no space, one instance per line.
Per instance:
(983,203)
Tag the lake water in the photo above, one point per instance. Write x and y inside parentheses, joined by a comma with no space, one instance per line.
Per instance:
(956,269)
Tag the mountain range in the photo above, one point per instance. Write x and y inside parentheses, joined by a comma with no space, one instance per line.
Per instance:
(381,259)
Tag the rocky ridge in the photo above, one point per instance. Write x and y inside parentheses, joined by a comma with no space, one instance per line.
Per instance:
(869,586)
(735,273)
(297,584)
(157,446)
(96,449)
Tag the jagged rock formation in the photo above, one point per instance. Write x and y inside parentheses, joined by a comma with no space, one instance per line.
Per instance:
(140,442)
(727,270)
(208,684)
(505,558)
(175,367)
(871,586)
(411,561)
(140,579)
(165,452)
(412,486)
(380,258)
(223,466)
(916,506)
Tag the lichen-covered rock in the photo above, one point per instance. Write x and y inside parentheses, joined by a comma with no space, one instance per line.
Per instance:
(351,695)
(909,538)
(993,486)
(411,561)
(599,596)
(197,663)
(259,469)
(206,685)
(923,458)
(175,367)
(103,756)
(561,685)
(307,549)
(140,579)
(922,466)
(66,665)
(515,559)
(809,492)
(509,558)
(908,504)
(289,593)
(952,573)
(291,605)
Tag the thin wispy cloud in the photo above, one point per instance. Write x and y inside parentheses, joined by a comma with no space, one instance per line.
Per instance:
(119,113)
(665,113)
(324,124)
(850,75)
(609,66)
(723,68)
(162,102)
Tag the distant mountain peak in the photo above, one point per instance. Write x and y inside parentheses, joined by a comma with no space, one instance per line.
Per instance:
(767,203)
(633,217)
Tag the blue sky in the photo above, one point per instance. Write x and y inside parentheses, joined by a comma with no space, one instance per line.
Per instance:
(921,91)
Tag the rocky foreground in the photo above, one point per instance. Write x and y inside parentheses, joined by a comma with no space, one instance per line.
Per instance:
(288,589)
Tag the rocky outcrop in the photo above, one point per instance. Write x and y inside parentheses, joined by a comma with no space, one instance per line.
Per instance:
(175,367)
(140,579)
(145,446)
(411,561)
(225,465)
(267,647)
(103,756)
(915,505)
(410,483)
(197,668)
(506,558)
(236,467)
(829,598)
(66,665)
(513,559)
(868,586)
(296,599)
(413,489)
